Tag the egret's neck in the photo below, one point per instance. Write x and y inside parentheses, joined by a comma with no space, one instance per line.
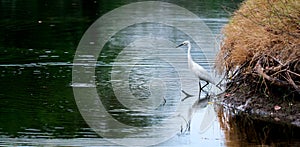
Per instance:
(190,60)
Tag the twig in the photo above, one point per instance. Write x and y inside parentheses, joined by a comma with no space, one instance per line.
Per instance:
(276,81)
(290,80)
(293,73)
(275,60)
(277,71)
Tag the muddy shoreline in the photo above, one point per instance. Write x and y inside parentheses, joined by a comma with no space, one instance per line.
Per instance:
(284,111)
(261,120)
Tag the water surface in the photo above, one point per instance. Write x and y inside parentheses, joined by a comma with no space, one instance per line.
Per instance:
(37,47)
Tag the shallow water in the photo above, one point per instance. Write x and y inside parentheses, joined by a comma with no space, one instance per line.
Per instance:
(37,103)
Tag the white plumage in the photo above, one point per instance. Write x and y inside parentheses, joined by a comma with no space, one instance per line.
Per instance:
(198,70)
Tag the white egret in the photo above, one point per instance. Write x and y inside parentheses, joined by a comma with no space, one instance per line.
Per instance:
(197,69)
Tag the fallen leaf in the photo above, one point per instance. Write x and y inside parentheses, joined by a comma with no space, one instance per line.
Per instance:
(276,108)
(227,95)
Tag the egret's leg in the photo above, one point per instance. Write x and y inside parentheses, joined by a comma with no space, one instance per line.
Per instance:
(189,126)
(205,85)
(199,90)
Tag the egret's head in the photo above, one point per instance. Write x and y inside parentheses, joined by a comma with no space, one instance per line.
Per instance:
(183,43)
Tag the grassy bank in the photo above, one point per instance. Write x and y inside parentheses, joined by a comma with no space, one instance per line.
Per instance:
(260,52)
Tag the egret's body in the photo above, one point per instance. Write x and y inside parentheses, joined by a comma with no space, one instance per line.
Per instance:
(198,70)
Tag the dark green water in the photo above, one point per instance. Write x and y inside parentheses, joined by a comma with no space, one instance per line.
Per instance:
(37,46)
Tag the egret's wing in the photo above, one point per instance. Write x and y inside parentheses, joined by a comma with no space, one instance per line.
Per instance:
(202,74)
(208,118)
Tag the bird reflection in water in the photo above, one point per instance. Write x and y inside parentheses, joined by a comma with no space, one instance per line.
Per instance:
(209,114)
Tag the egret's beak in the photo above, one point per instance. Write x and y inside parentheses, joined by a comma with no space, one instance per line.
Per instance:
(179,45)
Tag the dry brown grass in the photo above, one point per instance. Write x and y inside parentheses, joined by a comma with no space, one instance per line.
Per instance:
(262,40)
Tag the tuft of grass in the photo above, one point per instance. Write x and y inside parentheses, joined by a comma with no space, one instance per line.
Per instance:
(262,40)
